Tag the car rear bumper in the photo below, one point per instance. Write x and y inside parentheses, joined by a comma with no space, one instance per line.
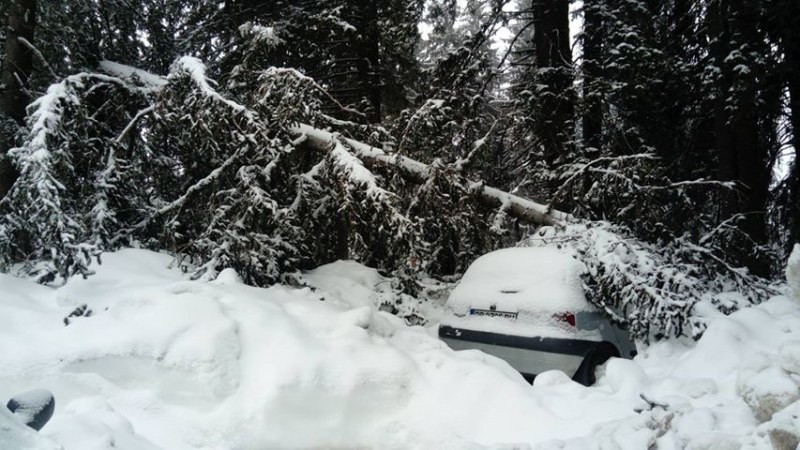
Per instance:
(529,355)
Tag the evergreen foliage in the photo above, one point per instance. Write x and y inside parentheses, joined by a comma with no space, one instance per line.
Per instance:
(222,162)
(75,183)
(455,119)
(655,290)
(228,184)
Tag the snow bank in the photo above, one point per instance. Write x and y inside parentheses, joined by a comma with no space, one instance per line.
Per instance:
(731,390)
(154,361)
(168,363)
(16,436)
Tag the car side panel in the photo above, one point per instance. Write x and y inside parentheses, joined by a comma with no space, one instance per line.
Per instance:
(621,338)
(527,355)
(526,361)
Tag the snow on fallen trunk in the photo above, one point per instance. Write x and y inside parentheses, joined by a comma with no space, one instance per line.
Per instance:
(137,76)
(356,173)
(517,206)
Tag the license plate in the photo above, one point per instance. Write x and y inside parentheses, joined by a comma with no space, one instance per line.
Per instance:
(492,313)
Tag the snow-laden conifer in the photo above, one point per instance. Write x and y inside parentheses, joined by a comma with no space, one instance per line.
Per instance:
(656,290)
(64,207)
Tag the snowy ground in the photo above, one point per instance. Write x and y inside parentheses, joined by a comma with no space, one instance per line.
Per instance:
(166,363)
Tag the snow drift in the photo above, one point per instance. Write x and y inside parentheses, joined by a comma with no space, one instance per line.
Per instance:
(155,361)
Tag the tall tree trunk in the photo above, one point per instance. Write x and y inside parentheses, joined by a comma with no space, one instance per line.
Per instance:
(741,153)
(554,69)
(17,67)
(593,113)
(786,14)
(368,66)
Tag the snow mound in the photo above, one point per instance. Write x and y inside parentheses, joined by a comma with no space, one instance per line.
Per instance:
(90,423)
(789,353)
(163,362)
(350,284)
(228,276)
(156,361)
(346,282)
(14,435)
(793,271)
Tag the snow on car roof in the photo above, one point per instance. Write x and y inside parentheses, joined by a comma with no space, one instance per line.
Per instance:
(522,279)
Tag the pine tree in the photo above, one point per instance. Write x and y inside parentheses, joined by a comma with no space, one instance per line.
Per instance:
(744,116)
(670,129)
(651,79)
(454,119)
(17,69)
(360,52)
(783,21)
(553,75)
(75,184)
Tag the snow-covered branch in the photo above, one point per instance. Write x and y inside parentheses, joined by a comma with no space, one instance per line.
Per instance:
(653,288)
(197,71)
(581,169)
(37,53)
(63,214)
(133,122)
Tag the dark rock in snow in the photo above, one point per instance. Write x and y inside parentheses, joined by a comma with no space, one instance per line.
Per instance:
(80,311)
(33,408)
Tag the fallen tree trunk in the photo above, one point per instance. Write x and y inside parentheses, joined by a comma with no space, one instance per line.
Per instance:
(516,206)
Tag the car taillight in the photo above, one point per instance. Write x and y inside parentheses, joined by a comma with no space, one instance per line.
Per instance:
(566,317)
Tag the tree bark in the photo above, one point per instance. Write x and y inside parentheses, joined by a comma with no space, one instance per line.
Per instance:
(369,57)
(554,70)
(551,30)
(742,155)
(593,113)
(17,68)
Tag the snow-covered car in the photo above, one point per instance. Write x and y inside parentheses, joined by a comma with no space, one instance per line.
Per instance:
(528,307)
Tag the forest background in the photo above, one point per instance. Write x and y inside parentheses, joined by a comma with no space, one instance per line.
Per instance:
(666,131)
